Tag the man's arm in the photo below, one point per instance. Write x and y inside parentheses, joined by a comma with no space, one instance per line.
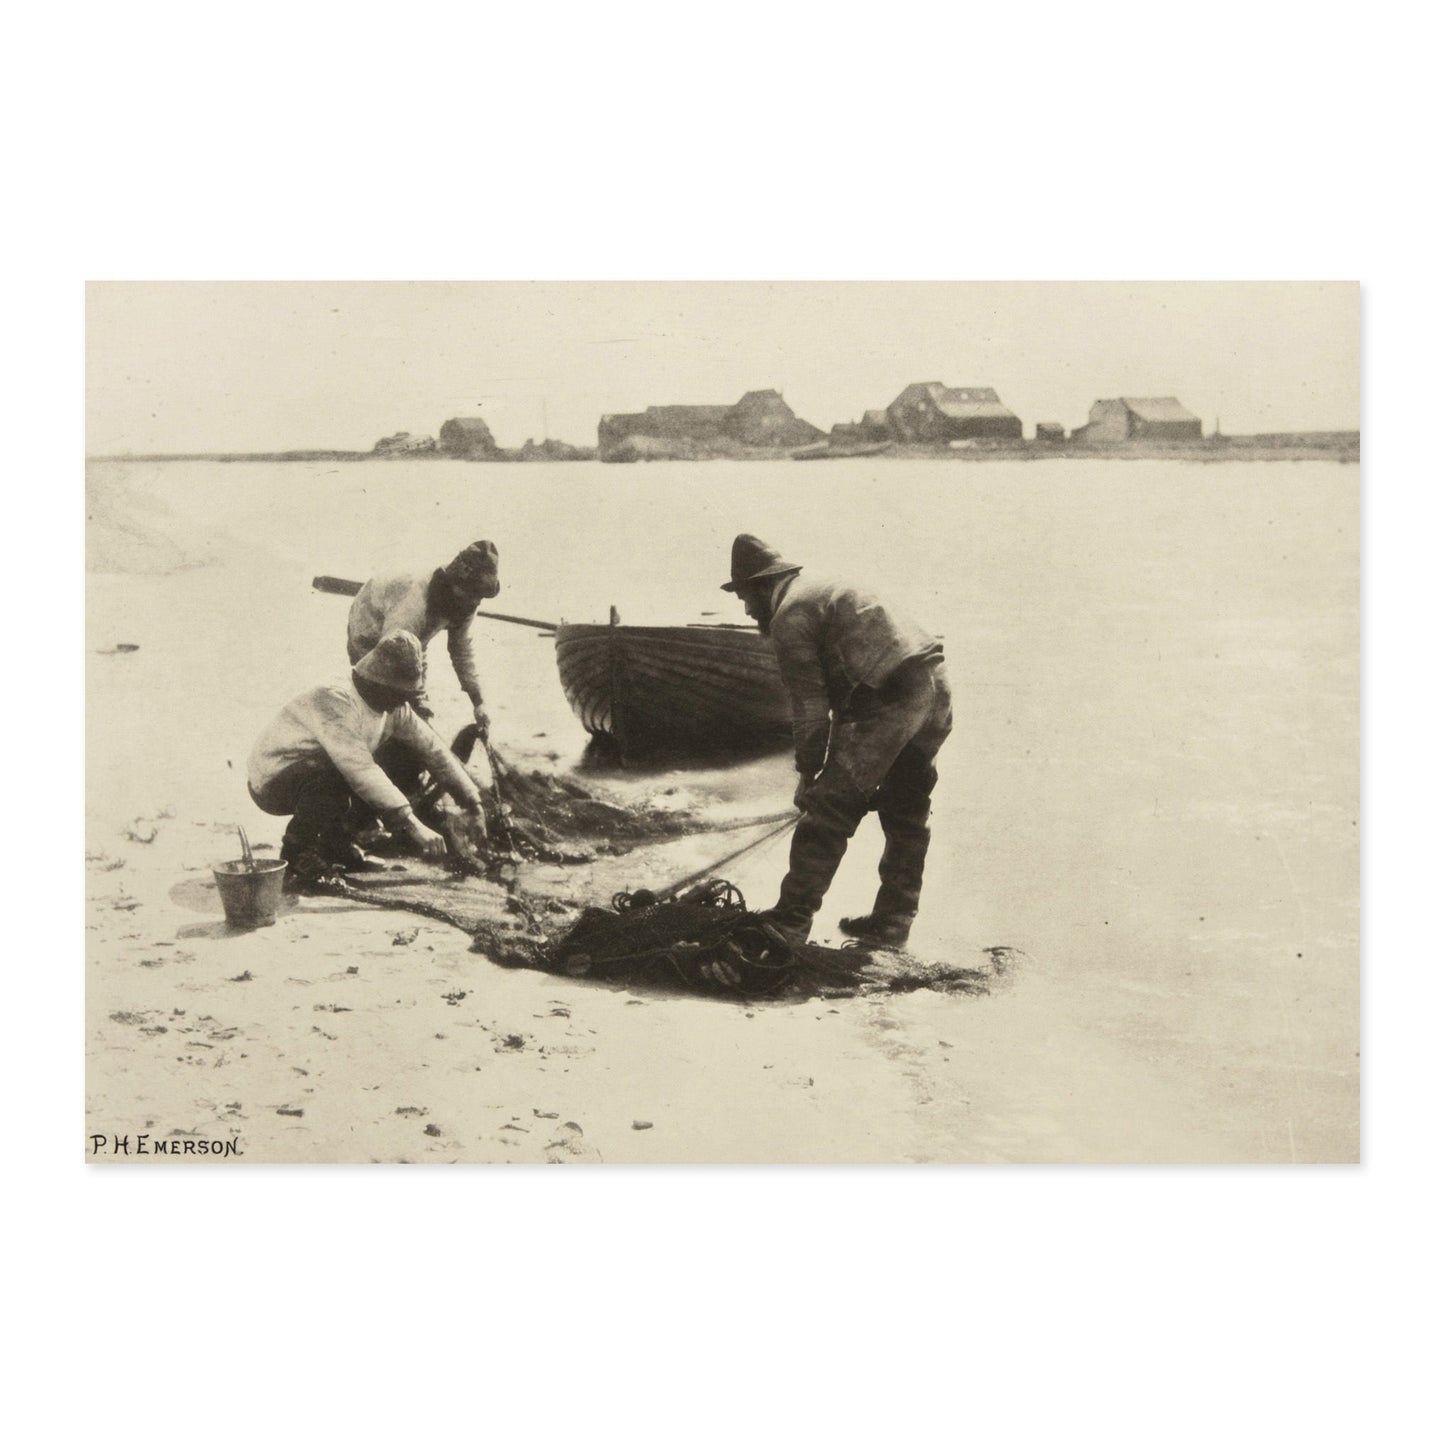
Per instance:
(462,651)
(334,723)
(416,735)
(798,641)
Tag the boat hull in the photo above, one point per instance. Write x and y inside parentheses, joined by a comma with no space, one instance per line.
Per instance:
(654,689)
(824,451)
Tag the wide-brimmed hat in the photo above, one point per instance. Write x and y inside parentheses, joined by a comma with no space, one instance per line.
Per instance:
(395,662)
(753,560)
(473,571)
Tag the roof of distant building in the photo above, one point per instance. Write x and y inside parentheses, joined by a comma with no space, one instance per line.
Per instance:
(967,401)
(1158,408)
(689,413)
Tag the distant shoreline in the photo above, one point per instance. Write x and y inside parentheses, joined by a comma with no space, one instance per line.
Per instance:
(1270,447)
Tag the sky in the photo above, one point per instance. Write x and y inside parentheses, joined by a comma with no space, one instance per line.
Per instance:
(182,366)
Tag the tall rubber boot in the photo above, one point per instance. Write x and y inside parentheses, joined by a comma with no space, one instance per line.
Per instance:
(318,835)
(904,805)
(900,873)
(834,808)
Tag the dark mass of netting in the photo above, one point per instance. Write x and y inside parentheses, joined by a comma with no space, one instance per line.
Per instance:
(709,941)
(706,941)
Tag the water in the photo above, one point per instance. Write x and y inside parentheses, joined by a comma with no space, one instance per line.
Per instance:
(1152,786)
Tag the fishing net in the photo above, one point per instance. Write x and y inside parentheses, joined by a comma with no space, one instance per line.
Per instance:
(708,940)
(553,819)
(673,945)
(705,940)
(712,942)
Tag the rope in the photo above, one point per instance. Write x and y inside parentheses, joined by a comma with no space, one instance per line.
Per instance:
(340,888)
(503,809)
(681,883)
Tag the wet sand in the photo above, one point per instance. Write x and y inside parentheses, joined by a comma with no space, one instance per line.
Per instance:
(1152,795)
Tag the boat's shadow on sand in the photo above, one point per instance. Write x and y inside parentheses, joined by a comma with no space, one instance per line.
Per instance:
(602,757)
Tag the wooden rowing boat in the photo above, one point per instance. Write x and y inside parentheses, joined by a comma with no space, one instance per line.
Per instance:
(657,689)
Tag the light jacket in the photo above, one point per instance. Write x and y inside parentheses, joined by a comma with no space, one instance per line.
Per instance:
(334,722)
(832,638)
(386,603)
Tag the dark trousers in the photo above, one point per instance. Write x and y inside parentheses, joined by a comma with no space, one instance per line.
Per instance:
(402,766)
(325,814)
(323,810)
(880,755)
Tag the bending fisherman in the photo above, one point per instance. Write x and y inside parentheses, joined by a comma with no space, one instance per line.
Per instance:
(446,601)
(871,708)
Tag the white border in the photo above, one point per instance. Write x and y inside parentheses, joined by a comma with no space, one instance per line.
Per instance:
(446,142)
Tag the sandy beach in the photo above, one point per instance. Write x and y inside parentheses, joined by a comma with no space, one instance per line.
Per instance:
(1151,792)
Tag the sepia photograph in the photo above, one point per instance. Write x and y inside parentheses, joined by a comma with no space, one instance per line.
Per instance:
(722,722)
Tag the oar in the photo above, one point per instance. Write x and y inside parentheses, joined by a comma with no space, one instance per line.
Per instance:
(345,587)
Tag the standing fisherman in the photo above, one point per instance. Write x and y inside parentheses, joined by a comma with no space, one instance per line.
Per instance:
(871,708)
(445,601)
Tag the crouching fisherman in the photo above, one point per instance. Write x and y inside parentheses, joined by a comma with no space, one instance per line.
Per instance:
(316,762)
(871,709)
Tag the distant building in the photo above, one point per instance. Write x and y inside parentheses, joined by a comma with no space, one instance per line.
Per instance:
(550,450)
(402,442)
(757,419)
(672,423)
(468,437)
(874,426)
(1049,431)
(928,411)
(764,419)
(1140,418)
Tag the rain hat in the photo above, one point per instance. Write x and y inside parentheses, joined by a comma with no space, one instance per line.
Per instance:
(473,571)
(753,560)
(395,662)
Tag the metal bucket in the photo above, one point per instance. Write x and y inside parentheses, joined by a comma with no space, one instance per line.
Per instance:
(250,892)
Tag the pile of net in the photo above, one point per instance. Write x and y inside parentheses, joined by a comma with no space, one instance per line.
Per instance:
(709,941)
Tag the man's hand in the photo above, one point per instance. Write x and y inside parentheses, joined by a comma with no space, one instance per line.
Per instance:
(465,831)
(810,747)
(432,846)
(800,793)
(483,722)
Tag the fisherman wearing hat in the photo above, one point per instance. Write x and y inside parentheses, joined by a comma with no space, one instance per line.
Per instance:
(445,601)
(871,708)
(316,762)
